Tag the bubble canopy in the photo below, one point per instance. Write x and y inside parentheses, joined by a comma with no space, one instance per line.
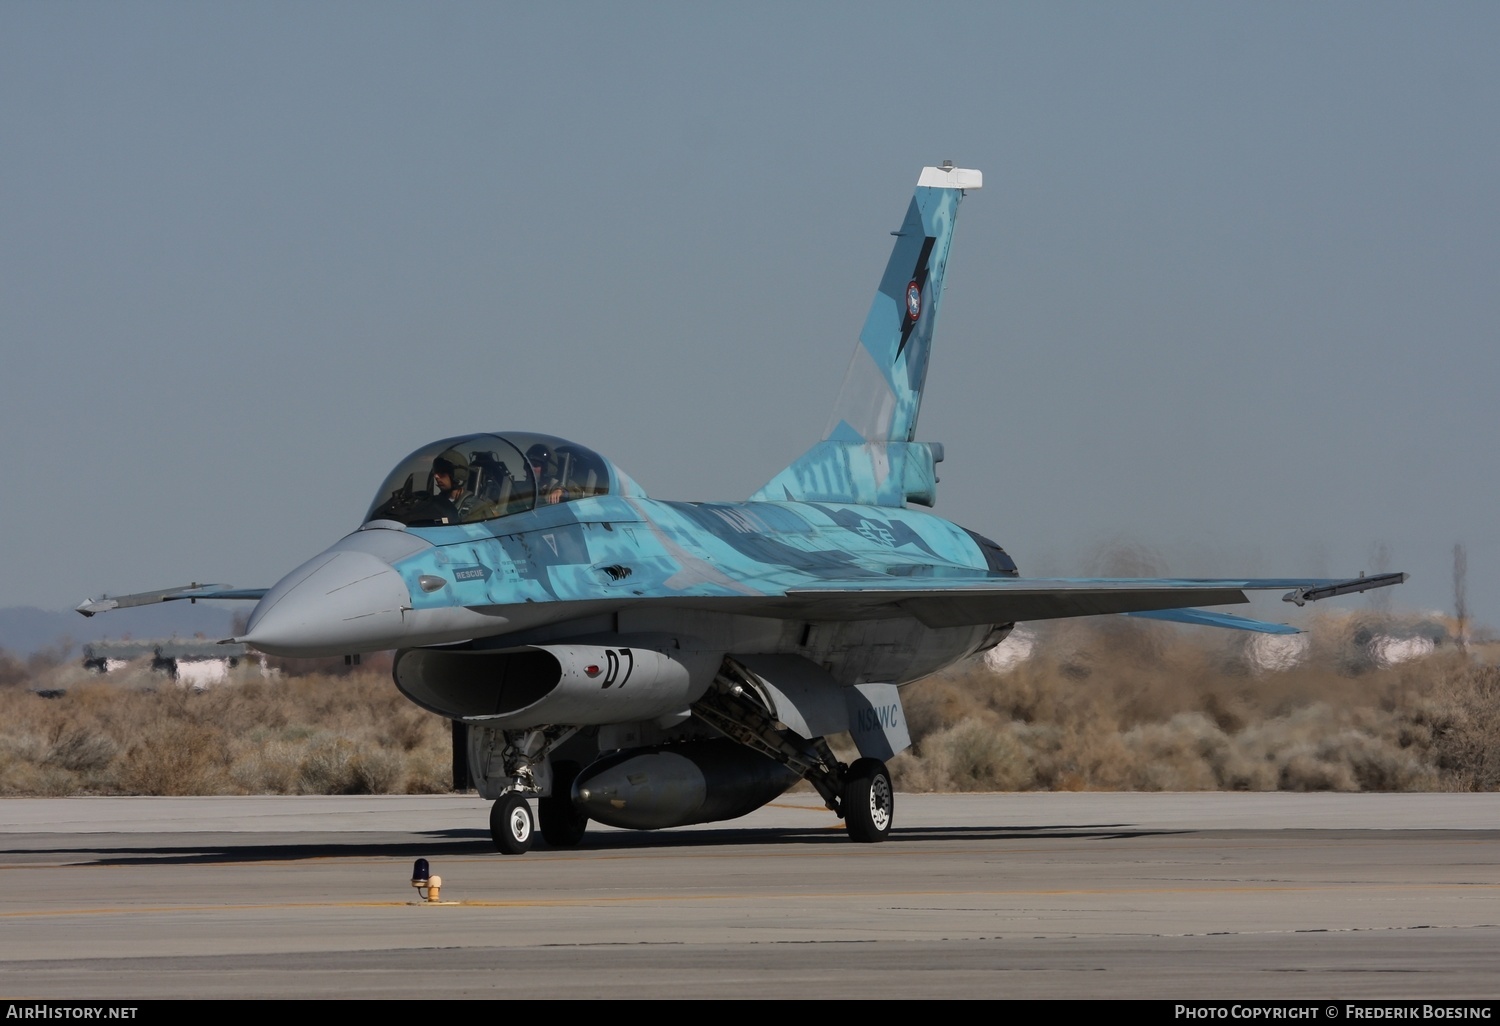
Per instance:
(472,478)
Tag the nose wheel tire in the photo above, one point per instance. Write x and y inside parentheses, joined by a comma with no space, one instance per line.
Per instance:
(511,825)
(869,801)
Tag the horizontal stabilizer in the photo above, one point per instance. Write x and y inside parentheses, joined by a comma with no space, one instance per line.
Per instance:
(1206,618)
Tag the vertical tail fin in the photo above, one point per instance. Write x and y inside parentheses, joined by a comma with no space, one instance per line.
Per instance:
(867,454)
(883,387)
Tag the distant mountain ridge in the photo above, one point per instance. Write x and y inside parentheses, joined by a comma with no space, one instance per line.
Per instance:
(26,629)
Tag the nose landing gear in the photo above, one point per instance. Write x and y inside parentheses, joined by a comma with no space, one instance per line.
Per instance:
(511,824)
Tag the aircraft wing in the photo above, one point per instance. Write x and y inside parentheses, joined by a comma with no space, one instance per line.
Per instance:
(190,592)
(959,603)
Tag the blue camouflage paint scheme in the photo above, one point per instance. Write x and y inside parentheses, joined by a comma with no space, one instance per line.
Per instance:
(655,660)
(682,549)
(827,560)
(882,390)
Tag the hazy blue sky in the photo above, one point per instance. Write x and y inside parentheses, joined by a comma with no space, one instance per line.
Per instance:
(1229,293)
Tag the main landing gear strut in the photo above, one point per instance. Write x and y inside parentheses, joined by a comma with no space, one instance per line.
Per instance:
(861,794)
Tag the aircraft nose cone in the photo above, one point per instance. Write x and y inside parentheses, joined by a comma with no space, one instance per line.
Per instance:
(336,603)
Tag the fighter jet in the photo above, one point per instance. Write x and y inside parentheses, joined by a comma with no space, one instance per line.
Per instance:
(647,663)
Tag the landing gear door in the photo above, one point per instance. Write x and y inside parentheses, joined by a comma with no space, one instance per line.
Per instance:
(877,722)
(802,694)
(487,772)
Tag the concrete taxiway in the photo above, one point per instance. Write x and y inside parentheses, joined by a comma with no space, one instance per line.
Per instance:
(1175,896)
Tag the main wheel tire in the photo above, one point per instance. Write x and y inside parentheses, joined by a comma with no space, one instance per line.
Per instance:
(511,825)
(563,823)
(869,801)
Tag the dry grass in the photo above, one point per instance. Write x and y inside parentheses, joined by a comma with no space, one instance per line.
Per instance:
(141,734)
(1098,705)
(1127,705)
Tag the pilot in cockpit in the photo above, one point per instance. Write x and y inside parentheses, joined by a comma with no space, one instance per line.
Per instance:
(450,474)
(549,483)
